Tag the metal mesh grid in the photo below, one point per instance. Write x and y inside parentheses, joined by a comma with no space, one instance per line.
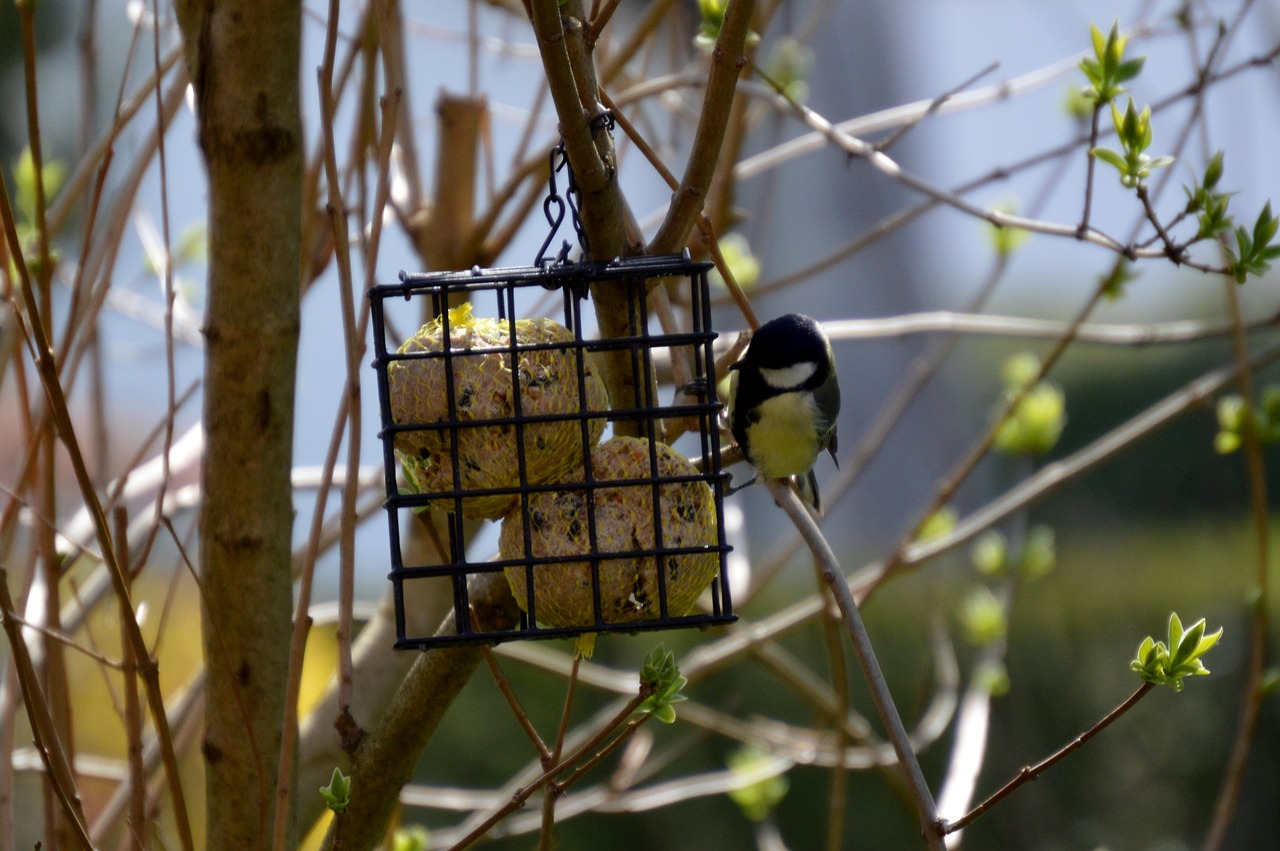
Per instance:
(620,535)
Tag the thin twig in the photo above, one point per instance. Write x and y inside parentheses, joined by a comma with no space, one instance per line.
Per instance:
(8,744)
(302,619)
(166,279)
(522,717)
(56,765)
(726,273)
(100,153)
(1031,772)
(1259,637)
(932,109)
(45,362)
(136,824)
(523,794)
(728,58)
(703,222)
(1104,333)
(1053,476)
(67,641)
(837,665)
(833,576)
(972,727)
(566,713)
(552,793)
(600,19)
(883,163)
(640,33)
(868,124)
(1176,253)
(1091,165)
(1048,480)
(1260,626)
(626,733)
(53,673)
(604,797)
(889,118)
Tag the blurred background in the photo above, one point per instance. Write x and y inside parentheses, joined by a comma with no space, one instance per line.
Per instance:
(1163,526)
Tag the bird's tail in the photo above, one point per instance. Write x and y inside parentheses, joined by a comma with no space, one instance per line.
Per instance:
(807,486)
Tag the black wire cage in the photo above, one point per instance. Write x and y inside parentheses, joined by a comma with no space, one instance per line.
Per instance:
(604,526)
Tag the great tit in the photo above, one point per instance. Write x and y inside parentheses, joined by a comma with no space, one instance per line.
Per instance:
(783,401)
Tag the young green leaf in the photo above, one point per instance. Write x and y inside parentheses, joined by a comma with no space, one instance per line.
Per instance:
(1039,553)
(990,552)
(1019,371)
(1212,172)
(411,838)
(337,795)
(1135,134)
(982,617)
(1269,683)
(743,264)
(1107,69)
(1254,252)
(661,680)
(1158,664)
(1036,422)
(993,677)
(1004,238)
(790,62)
(757,799)
(937,524)
(1109,157)
(713,12)
(52,174)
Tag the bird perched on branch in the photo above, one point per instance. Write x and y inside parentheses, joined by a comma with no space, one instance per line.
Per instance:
(783,401)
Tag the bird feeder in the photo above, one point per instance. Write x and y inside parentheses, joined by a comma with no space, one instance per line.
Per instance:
(609,511)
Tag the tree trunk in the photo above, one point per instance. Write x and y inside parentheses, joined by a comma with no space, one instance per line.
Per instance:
(244,58)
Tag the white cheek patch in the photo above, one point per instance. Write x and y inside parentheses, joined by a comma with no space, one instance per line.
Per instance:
(789,377)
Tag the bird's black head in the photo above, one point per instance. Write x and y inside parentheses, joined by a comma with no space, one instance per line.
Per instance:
(789,339)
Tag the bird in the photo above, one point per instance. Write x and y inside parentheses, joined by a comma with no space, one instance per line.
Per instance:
(784,397)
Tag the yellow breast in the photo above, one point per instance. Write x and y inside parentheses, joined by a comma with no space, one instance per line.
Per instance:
(783,442)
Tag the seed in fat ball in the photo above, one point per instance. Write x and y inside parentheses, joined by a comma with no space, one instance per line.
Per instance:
(624,522)
(483,389)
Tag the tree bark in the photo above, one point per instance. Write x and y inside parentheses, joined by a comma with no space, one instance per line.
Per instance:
(386,756)
(244,58)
